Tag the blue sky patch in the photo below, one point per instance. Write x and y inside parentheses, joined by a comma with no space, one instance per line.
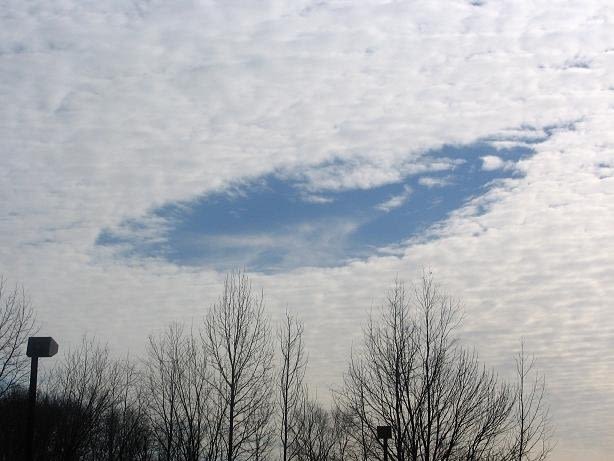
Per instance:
(278,221)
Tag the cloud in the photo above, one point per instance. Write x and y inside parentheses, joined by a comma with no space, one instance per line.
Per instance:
(111,110)
(428,181)
(492,162)
(365,173)
(302,244)
(395,201)
(314,198)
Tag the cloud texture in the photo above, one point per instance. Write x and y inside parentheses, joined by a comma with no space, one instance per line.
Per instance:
(111,109)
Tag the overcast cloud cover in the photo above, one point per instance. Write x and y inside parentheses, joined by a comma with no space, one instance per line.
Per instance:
(112,109)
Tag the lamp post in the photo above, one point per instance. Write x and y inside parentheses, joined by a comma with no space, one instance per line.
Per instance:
(41,346)
(384,433)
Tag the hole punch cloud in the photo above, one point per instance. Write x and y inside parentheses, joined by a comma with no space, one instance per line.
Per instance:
(293,219)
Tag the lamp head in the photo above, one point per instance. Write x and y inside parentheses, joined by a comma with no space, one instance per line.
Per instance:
(41,346)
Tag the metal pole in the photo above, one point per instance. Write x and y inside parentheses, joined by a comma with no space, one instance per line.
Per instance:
(31,407)
(386,449)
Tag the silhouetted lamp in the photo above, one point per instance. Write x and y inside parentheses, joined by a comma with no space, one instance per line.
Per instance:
(41,346)
(384,433)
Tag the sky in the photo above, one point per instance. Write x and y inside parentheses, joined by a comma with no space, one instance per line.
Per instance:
(327,147)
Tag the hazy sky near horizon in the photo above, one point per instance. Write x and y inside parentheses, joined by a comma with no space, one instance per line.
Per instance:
(327,147)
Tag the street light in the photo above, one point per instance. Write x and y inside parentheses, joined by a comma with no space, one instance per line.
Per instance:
(384,432)
(41,346)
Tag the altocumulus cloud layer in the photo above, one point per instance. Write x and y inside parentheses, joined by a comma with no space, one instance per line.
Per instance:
(112,112)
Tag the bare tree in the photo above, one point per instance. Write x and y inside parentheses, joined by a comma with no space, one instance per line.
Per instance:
(17,323)
(125,432)
(532,434)
(315,436)
(264,435)
(200,413)
(352,403)
(237,334)
(162,386)
(184,413)
(375,385)
(88,408)
(291,375)
(343,428)
(84,385)
(412,375)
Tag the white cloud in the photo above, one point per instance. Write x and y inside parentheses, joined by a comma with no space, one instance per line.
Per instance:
(314,243)
(429,182)
(109,110)
(314,198)
(492,162)
(395,201)
(365,173)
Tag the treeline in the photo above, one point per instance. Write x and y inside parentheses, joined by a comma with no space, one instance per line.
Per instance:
(234,388)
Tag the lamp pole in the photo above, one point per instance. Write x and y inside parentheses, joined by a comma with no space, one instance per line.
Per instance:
(384,433)
(31,405)
(37,347)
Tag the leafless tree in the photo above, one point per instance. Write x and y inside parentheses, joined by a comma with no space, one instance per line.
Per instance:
(84,384)
(162,386)
(125,432)
(351,403)
(532,433)
(17,323)
(375,387)
(315,436)
(184,414)
(324,435)
(343,427)
(263,441)
(201,411)
(412,375)
(291,389)
(88,408)
(237,335)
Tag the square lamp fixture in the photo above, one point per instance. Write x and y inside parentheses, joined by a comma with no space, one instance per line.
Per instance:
(384,432)
(41,346)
